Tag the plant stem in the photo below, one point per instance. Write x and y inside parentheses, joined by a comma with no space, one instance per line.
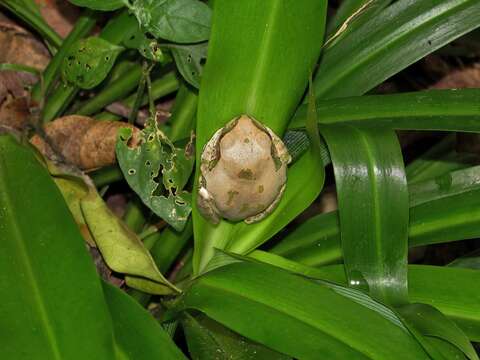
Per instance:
(134,217)
(82,27)
(139,95)
(167,84)
(107,175)
(34,20)
(183,113)
(117,90)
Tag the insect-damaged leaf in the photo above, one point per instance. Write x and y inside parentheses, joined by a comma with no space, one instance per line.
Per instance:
(89,61)
(189,60)
(157,171)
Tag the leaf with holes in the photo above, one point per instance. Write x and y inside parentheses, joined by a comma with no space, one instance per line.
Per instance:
(181,21)
(148,48)
(89,61)
(189,60)
(157,171)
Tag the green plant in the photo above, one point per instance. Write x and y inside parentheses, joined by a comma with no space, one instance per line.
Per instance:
(339,285)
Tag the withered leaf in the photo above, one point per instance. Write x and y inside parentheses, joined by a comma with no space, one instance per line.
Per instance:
(81,141)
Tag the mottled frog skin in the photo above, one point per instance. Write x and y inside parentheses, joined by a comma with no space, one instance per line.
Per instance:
(243,172)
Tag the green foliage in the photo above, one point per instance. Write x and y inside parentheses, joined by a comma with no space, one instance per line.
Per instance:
(181,21)
(189,60)
(89,61)
(241,302)
(157,158)
(103,5)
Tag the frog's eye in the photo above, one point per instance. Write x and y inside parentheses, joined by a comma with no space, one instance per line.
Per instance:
(243,172)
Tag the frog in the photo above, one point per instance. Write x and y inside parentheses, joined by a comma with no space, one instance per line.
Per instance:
(243,172)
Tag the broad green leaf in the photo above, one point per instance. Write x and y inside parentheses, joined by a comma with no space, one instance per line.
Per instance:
(206,338)
(157,171)
(51,295)
(89,61)
(180,21)
(263,303)
(241,77)
(104,5)
(431,322)
(190,60)
(445,210)
(401,34)
(352,13)
(444,110)
(122,250)
(373,208)
(453,291)
(137,333)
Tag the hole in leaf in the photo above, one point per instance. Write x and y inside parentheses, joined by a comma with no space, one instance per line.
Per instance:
(107,58)
(179,202)
(148,163)
(151,137)
(131,172)
(189,58)
(203,61)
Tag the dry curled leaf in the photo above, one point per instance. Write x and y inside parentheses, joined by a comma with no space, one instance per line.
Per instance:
(18,46)
(459,79)
(59,14)
(15,99)
(81,141)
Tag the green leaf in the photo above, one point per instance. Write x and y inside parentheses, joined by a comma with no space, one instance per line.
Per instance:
(181,21)
(89,61)
(121,249)
(189,60)
(401,34)
(453,291)
(432,322)
(104,5)
(263,303)
(155,159)
(51,294)
(148,48)
(241,76)
(444,110)
(206,337)
(137,333)
(445,210)
(373,208)
(352,13)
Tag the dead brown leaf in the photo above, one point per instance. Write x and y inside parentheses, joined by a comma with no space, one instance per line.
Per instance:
(59,14)
(18,46)
(15,99)
(81,141)
(468,77)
